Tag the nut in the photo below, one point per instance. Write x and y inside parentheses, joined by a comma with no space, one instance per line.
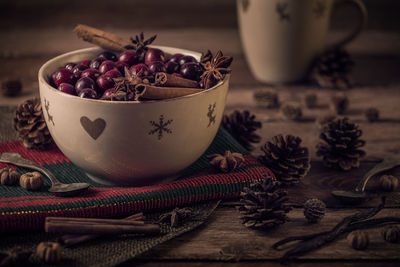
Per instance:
(389,183)
(291,111)
(358,239)
(314,210)
(372,114)
(9,176)
(392,234)
(339,103)
(310,99)
(31,181)
(49,252)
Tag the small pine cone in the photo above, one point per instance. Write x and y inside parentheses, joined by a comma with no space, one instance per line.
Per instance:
(11,87)
(358,239)
(9,176)
(310,99)
(30,124)
(372,114)
(339,103)
(389,183)
(322,120)
(226,162)
(314,210)
(340,145)
(331,69)
(291,111)
(266,98)
(264,204)
(242,125)
(49,252)
(289,161)
(392,234)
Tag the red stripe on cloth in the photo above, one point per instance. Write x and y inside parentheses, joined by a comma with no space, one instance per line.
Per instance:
(191,182)
(50,156)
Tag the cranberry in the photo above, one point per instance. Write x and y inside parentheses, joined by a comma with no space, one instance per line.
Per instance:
(95,63)
(70,66)
(67,88)
(175,58)
(157,66)
(154,54)
(106,66)
(113,73)
(129,57)
(108,92)
(84,82)
(88,93)
(104,82)
(140,68)
(91,73)
(77,70)
(121,66)
(171,67)
(212,82)
(191,71)
(85,62)
(63,76)
(108,55)
(186,59)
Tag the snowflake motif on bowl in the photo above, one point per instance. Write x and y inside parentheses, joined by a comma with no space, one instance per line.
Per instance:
(282,10)
(160,127)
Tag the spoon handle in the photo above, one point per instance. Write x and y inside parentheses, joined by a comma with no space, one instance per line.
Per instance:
(18,160)
(388,163)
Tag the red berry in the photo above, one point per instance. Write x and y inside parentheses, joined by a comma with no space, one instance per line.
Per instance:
(67,88)
(108,55)
(91,73)
(186,59)
(140,69)
(156,66)
(113,73)
(106,66)
(77,70)
(154,54)
(171,67)
(84,82)
(191,71)
(175,58)
(63,76)
(88,93)
(108,92)
(85,62)
(95,63)
(104,82)
(129,57)
(70,66)
(121,66)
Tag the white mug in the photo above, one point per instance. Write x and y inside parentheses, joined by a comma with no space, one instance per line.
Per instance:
(281,38)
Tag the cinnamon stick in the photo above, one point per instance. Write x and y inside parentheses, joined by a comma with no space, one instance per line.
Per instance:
(146,91)
(166,79)
(74,239)
(101,38)
(98,226)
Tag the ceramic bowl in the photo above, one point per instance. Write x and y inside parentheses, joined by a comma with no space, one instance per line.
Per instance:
(130,142)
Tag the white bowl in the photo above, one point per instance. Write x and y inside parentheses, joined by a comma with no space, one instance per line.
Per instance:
(130,142)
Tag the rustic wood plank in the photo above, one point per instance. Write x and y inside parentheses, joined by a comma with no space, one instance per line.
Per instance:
(216,241)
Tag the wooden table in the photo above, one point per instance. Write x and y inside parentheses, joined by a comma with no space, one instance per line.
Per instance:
(27,44)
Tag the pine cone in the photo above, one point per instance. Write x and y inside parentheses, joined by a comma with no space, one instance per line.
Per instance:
(286,158)
(332,69)
(242,125)
(30,125)
(264,204)
(340,146)
(314,210)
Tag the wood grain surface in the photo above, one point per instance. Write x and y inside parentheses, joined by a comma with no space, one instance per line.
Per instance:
(34,32)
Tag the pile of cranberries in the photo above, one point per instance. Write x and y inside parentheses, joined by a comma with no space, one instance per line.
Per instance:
(95,78)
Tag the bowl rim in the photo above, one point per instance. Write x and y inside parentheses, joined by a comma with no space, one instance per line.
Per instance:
(43,79)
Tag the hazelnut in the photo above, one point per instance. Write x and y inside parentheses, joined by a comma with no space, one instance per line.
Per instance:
(389,183)
(31,180)
(291,111)
(49,252)
(358,239)
(9,176)
(392,234)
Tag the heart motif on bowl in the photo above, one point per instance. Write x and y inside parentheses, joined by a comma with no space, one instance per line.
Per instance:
(93,128)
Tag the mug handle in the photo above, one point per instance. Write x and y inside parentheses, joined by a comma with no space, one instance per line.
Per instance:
(361,23)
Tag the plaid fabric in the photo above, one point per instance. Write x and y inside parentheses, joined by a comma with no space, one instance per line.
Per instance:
(21,209)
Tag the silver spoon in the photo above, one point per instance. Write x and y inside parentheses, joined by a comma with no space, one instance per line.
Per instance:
(359,193)
(57,188)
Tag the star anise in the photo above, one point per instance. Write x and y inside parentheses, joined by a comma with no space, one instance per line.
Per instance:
(16,256)
(206,57)
(124,88)
(140,44)
(176,216)
(215,69)
(226,162)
